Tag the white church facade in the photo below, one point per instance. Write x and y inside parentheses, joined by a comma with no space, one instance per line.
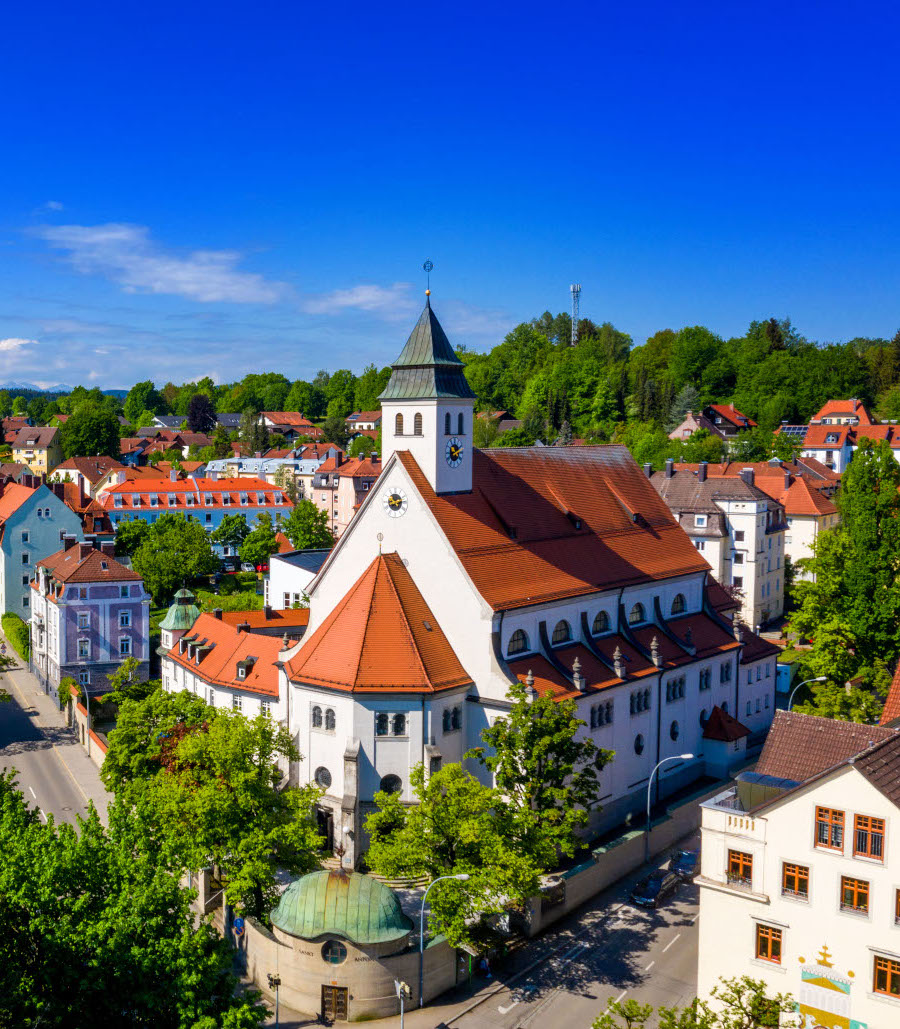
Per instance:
(465,570)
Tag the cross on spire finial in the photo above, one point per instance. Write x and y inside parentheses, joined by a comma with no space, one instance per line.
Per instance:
(427,267)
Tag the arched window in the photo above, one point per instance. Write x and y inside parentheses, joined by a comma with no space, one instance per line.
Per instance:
(445,720)
(639,744)
(636,616)
(561,633)
(398,425)
(382,724)
(456,718)
(594,718)
(317,718)
(518,642)
(704,717)
(329,719)
(391,784)
(646,699)
(633,704)
(417,424)
(679,604)
(674,731)
(398,726)
(323,777)
(460,424)
(447,424)
(725,706)
(334,953)
(601,623)
(609,711)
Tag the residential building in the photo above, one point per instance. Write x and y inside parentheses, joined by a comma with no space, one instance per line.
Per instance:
(14,472)
(800,873)
(364,423)
(291,425)
(502,420)
(339,486)
(89,613)
(206,500)
(727,420)
(843,412)
(39,448)
(302,463)
(12,426)
(691,423)
(737,527)
(832,445)
(290,573)
(33,523)
(808,512)
(86,472)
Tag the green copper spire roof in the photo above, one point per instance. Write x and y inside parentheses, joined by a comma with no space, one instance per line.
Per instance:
(427,368)
(355,907)
(182,614)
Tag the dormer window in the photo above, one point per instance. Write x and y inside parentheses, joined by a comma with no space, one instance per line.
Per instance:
(277,498)
(601,623)
(518,642)
(136,500)
(208,499)
(260,498)
(700,521)
(832,437)
(119,502)
(154,500)
(241,672)
(226,500)
(561,633)
(173,500)
(244,500)
(636,615)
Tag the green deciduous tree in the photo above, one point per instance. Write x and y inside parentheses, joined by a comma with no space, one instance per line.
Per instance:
(142,397)
(173,552)
(547,776)
(231,531)
(94,923)
(130,535)
(260,544)
(307,527)
(201,413)
(90,432)
(203,782)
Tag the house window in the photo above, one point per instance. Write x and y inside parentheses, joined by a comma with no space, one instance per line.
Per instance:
(26,579)
(768,944)
(330,720)
(391,784)
(561,633)
(601,623)
(173,500)
(896,907)
(829,828)
(323,777)
(674,731)
(737,581)
(705,678)
(795,881)
(700,545)
(518,642)
(700,521)
(417,424)
(24,558)
(740,869)
(868,837)
(447,424)
(124,646)
(237,702)
(738,557)
(398,725)
(84,648)
(636,615)
(854,895)
(124,619)
(382,724)
(334,953)
(25,534)
(24,601)
(679,604)
(887,977)
(725,672)
(83,619)
(460,424)
(639,744)
(317,718)
(265,708)
(738,535)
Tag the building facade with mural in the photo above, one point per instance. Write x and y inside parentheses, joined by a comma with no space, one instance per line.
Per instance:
(800,874)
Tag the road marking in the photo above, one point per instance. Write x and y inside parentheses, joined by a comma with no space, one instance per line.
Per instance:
(31,791)
(647,969)
(621,995)
(694,919)
(669,944)
(46,819)
(508,1008)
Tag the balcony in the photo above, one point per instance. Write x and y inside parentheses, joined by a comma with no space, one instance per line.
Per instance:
(739,882)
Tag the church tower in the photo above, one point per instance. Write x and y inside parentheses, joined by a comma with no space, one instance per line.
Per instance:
(426,407)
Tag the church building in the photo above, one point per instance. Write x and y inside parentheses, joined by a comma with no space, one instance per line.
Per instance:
(466,570)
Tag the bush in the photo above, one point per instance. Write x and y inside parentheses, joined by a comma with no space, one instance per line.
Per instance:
(16,631)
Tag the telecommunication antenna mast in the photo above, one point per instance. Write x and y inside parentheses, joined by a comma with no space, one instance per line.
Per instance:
(575,290)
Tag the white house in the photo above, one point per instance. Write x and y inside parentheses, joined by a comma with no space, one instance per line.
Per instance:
(800,873)
(290,575)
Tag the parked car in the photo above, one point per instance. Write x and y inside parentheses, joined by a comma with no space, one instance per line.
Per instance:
(684,863)
(651,891)
(247,567)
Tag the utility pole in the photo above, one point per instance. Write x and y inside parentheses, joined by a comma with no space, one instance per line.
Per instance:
(575,290)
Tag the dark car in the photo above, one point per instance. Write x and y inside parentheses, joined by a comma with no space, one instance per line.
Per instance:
(650,892)
(684,864)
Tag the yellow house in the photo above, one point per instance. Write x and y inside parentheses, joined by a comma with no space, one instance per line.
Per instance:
(39,448)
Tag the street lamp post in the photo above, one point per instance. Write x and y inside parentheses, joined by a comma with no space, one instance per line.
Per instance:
(274,983)
(462,877)
(818,678)
(675,757)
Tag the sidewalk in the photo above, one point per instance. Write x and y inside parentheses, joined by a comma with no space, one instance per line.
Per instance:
(44,714)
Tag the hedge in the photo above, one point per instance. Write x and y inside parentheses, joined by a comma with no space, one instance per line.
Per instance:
(16,631)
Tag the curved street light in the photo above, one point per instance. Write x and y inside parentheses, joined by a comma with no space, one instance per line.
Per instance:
(462,877)
(675,757)
(818,678)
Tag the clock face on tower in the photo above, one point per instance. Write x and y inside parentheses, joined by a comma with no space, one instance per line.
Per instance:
(395,502)
(454,452)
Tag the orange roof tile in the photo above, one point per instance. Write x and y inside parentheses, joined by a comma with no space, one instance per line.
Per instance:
(219,665)
(818,435)
(290,618)
(891,711)
(799,499)
(73,565)
(543,523)
(724,727)
(381,637)
(284,544)
(844,409)
(730,413)
(12,498)
(705,634)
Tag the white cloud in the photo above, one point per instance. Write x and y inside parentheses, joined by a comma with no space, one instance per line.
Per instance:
(13,343)
(53,205)
(126,255)
(386,301)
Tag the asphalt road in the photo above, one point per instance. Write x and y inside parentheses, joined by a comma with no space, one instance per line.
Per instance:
(33,748)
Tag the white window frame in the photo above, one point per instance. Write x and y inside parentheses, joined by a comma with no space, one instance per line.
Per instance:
(124,619)
(125,646)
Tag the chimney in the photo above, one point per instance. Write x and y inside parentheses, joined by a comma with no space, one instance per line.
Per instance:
(217,613)
(120,476)
(648,469)
(747,475)
(373,457)
(787,478)
(701,471)
(244,627)
(84,549)
(577,678)
(108,547)
(670,467)
(69,541)
(267,611)
(853,405)
(338,459)
(173,475)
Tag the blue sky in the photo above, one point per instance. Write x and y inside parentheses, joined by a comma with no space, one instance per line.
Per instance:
(202,188)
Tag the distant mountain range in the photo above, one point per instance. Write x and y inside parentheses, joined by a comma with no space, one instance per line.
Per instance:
(61,388)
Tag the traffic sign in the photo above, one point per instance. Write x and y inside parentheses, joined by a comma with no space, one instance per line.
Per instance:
(238,926)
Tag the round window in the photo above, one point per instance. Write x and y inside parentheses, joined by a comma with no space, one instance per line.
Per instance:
(323,777)
(391,784)
(674,731)
(334,953)
(639,744)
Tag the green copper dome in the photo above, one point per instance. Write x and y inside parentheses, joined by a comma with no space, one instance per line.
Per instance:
(352,906)
(182,614)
